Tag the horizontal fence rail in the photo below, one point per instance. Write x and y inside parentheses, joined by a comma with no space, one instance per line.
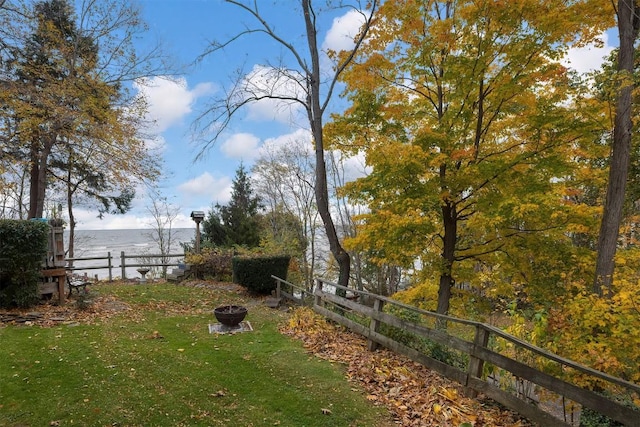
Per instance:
(148,260)
(290,291)
(512,374)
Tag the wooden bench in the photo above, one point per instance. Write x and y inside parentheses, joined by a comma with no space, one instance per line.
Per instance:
(77,283)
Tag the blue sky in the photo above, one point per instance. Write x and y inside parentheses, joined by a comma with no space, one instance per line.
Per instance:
(185,27)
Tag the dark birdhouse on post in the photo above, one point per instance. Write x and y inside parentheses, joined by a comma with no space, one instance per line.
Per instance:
(198,217)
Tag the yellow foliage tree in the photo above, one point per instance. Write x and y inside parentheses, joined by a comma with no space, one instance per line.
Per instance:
(463,112)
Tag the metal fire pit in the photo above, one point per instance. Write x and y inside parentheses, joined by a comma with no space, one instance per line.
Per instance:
(230,315)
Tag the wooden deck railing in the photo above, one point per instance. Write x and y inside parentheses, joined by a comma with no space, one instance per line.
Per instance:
(527,379)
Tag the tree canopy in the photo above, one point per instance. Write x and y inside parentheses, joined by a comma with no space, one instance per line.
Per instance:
(462,110)
(67,117)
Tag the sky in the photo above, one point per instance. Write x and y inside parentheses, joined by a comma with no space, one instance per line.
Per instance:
(186,28)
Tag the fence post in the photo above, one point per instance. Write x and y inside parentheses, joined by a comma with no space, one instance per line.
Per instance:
(378,304)
(123,266)
(475,364)
(318,300)
(278,288)
(110,266)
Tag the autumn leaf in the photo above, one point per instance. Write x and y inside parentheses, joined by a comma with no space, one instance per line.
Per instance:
(156,336)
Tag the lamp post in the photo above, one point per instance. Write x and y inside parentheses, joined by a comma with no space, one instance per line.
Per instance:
(197,216)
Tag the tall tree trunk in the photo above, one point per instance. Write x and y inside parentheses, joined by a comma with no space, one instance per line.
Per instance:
(37,184)
(42,185)
(72,221)
(34,173)
(628,24)
(38,175)
(449,217)
(312,265)
(314,112)
(21,205)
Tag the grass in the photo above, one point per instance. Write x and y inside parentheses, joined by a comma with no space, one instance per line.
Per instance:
(156,364)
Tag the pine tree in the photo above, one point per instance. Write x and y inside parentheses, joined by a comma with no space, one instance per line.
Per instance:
(239,222)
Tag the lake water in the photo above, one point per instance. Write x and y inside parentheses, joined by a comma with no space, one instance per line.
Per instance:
(99,243)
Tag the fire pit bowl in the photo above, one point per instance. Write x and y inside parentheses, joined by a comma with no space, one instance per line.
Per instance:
(230,315)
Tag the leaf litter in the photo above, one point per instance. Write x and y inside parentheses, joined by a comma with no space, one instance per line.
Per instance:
(51,314)
(414,394)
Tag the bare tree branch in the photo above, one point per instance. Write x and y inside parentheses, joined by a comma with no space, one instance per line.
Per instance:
(314,97)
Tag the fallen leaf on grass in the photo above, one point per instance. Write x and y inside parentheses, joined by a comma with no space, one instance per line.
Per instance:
(156,336)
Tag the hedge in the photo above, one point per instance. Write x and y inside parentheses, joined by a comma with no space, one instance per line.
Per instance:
(23,248)
(254,273)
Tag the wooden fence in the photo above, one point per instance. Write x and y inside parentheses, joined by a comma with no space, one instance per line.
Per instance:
(484,359)
(144,260)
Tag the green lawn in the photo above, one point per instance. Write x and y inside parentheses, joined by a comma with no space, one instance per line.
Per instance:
(157,365)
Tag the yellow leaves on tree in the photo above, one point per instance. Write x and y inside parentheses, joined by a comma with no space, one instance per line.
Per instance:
(598,332)
(462,113)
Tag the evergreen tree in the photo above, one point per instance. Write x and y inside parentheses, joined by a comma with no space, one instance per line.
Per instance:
(239,222)
(212,229)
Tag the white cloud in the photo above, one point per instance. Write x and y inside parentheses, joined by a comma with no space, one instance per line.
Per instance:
(88,221)
(272,109)
(156,144)
(139,215)
(343,30)
(352,167)
(590,57)
(300,137)
(241,146)
(169,100)
(281,89)
(216,190)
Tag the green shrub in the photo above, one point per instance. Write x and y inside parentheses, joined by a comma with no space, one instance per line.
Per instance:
(254,273)
(426,346)
(211,262)
(23,248)
(591,418)
(401,335)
